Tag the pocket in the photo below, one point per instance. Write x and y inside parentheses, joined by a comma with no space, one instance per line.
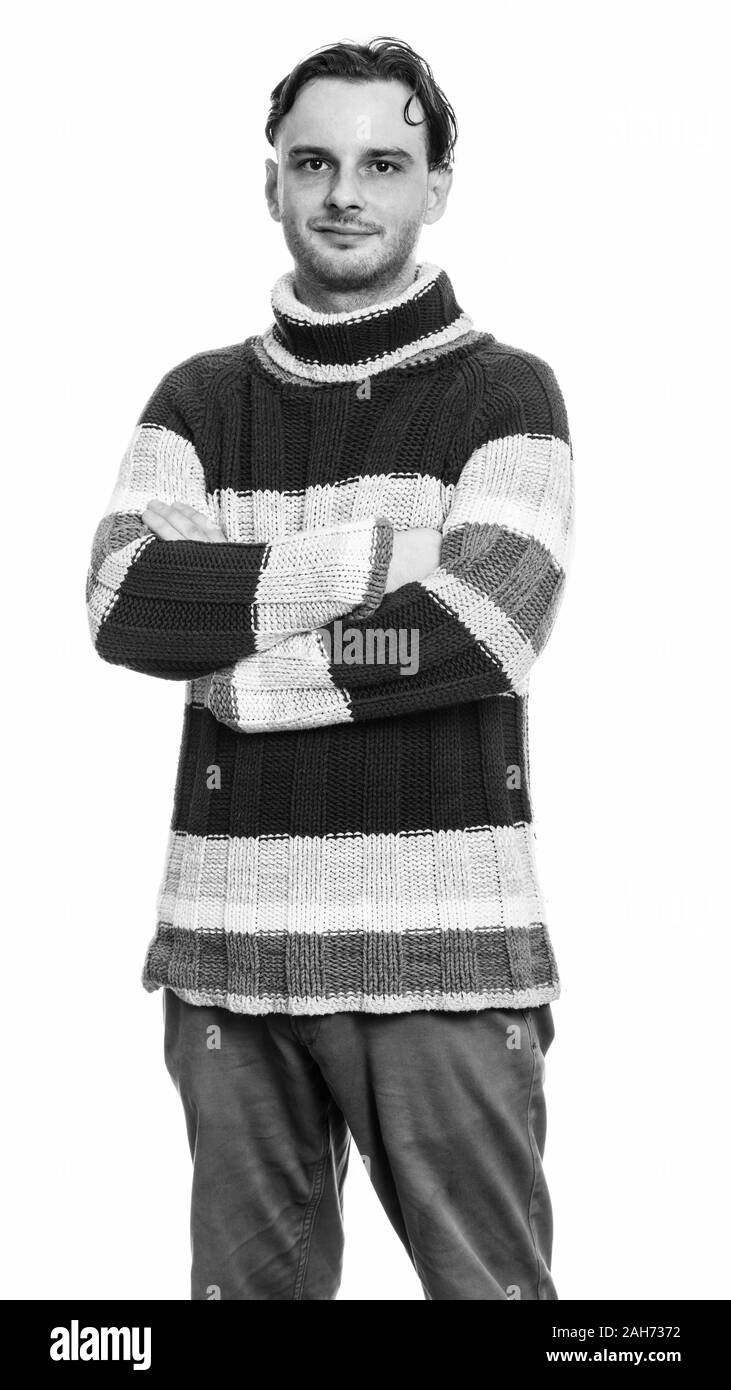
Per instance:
(541,1027)
(171,1030)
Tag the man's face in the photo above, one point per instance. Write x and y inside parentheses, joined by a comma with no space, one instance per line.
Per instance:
(347,159)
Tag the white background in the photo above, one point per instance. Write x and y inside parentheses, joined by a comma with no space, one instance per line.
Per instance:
(586,224)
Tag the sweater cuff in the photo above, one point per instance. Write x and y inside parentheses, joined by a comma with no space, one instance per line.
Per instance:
(380,557)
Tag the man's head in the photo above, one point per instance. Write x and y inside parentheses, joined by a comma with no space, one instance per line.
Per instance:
(364,139)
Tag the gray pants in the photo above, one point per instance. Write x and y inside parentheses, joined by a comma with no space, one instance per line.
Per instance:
(447,1111)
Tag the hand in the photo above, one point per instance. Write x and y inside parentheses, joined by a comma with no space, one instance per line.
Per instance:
(177,521)
(415,554)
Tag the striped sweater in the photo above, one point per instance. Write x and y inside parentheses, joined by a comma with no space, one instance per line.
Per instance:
(351,830)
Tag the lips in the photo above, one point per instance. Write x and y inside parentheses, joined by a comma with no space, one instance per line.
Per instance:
(344,231)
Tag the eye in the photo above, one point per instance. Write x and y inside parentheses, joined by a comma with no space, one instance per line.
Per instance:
(317,159)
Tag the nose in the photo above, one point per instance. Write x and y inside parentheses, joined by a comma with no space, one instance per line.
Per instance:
(343,192)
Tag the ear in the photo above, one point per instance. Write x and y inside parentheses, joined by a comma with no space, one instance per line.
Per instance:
(270,188)
(440,182)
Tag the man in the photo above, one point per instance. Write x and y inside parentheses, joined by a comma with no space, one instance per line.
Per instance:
(349,537)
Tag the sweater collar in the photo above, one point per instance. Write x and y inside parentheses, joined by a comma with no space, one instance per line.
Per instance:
(353,344)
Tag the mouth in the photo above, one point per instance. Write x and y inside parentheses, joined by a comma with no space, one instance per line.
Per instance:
(343,231)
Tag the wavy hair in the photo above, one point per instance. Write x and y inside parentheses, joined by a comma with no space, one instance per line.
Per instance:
(381,59)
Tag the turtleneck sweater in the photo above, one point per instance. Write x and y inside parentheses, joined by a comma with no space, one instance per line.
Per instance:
(352,824)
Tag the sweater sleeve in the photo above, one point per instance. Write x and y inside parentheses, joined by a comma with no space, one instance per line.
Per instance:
(183,609)
(470,629)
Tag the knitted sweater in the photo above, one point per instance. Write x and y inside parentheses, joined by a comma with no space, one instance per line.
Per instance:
(352,824)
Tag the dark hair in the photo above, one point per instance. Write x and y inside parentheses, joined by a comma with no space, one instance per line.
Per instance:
(381,59)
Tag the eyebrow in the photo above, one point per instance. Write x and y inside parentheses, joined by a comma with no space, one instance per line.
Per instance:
(371,153)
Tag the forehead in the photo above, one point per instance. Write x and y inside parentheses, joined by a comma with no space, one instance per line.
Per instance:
(349,115)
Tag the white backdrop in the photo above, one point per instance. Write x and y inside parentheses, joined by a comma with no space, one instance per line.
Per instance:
(587,224)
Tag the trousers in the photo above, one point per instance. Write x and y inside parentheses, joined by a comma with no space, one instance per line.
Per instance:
(448,1113)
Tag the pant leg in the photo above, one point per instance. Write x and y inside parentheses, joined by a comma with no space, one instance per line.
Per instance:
(270,1154)
(448,1111)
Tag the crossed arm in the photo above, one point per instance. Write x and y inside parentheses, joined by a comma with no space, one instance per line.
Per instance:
(169,595)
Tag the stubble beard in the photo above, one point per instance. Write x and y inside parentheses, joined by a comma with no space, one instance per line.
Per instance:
(364,267)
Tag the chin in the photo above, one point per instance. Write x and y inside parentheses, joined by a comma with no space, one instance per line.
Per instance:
(344,266)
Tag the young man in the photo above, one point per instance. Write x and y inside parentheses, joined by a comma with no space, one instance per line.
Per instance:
(349,537)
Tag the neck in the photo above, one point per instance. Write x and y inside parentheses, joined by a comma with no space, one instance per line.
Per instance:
(315,295)
(352,344)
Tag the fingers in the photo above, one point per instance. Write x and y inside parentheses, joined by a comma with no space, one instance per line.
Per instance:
(160,525)
(175,521)
(200,521)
